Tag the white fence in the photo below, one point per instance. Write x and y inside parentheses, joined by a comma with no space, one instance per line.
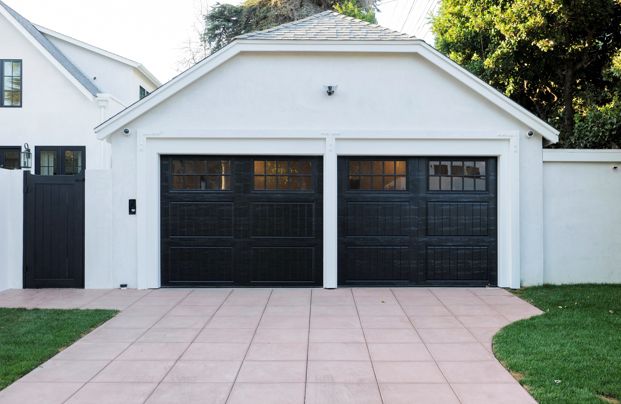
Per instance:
(582,216)
(11,224)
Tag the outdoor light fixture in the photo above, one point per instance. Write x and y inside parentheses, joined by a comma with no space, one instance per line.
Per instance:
(330,89)
(26,157)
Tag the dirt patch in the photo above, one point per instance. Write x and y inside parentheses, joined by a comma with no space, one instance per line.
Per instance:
(608,399)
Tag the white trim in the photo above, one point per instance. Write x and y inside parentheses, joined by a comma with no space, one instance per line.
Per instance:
(132,63)
(329,146)
(415,46)
(46,54)
(582,156)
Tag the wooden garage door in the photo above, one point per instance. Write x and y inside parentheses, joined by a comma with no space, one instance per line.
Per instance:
(428,221)
(241,221)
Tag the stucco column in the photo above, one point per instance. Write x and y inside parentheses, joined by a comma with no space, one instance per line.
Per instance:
(330,215)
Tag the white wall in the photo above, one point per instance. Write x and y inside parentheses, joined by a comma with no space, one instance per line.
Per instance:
(268,95)
(109,75)
(582,216)
(54,111)
(97,230)
(11,225)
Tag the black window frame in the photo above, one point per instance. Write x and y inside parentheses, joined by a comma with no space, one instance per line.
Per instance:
(21,86)
(59,163)
(4,149)
(463,161)
(143,92)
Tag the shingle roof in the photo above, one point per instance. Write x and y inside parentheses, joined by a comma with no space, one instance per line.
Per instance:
(329,26)
(53,50)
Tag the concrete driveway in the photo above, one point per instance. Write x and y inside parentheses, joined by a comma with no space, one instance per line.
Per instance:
(373,345)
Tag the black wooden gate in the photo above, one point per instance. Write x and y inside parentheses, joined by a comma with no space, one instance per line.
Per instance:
(53,231)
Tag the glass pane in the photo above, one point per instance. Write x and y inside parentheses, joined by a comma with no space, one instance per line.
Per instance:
(8,84)
(468,184)
(480,184)
(354,168)
(389,167)
(11,159)
(378,182)
(73,162)
(481,166)
(458,184)
(400,184)
(47,162)
(17,68)
(8,68)
(301,167)
(270,167)
(283,182)
(389,183)
(365,167)
(259,167)
(225,167)
(354,182)
(434,183)
(283,167)
(472,171)
(457,168)
(400,167)
(307,184)
(377,167)
(366,182)
(271,182)
(16,98)
(225,183)
(259,182)
(432,167)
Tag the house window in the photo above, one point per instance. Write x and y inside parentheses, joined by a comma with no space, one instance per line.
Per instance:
(377,175)
(283,175)
(201,174)
(10,157)
(143,92)
(457,175)
(10,83)
(60,160)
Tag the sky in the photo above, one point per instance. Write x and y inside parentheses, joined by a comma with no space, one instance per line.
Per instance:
(156,32)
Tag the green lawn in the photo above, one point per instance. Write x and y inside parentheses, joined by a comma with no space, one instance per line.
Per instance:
(572,353)
(30,337)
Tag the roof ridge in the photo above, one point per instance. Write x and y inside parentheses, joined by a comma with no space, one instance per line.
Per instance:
(327,27)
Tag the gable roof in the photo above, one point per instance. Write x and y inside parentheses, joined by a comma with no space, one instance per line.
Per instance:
(310,42)
(328,26)
(132,63)
(52,50)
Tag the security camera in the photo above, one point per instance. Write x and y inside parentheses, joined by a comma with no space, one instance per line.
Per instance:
(530,133)
(330,90)
(127,132)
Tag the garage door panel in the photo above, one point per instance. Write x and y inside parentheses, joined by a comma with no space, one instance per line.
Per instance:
(464,263)
(283,265)
(378,263)
(437,227)
(200,264)
(373,218)
(241,220)
(200,219)
(283,220)
(458,218)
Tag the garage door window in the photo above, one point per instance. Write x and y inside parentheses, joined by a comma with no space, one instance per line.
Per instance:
(377,175)
(457,175)
(283,175)
(201,174)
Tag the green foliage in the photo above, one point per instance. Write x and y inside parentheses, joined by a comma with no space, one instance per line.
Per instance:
(225,21)
(30,337)
(551,56)
(352,9)
(571,353)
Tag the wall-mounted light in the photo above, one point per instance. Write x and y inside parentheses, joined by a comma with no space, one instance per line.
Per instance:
(330,90)
(26,157)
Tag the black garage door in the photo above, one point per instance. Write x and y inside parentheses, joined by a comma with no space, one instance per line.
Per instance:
(427,221)
(241,221)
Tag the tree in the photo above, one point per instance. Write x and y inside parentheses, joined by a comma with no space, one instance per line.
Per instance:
(225,21)
(551,56)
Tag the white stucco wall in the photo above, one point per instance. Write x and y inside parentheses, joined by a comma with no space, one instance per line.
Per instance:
(257,96)
(11,224)
(54,111)
(109,75)
(582,213)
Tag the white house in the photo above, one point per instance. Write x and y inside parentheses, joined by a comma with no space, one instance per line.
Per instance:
(55,89)
(329,152)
